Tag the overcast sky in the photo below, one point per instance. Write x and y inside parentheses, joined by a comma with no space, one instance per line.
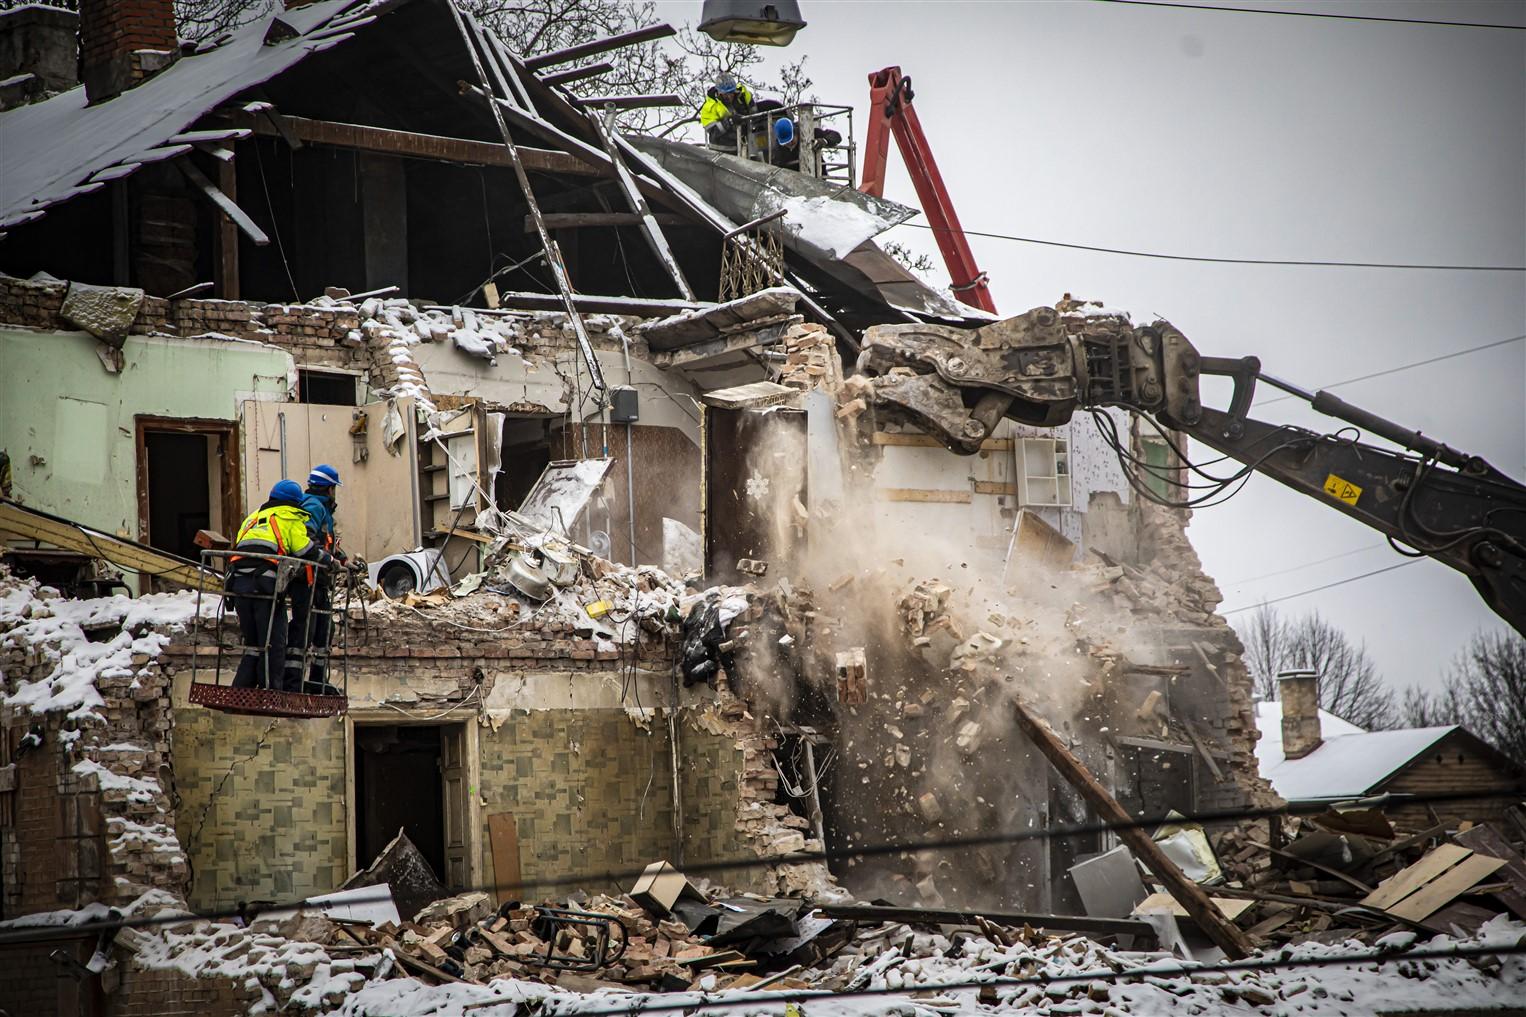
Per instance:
(1254,136)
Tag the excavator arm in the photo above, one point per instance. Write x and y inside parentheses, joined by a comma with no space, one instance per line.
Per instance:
(1040,367)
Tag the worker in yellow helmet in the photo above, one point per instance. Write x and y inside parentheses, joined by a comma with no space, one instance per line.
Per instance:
(257,585)
(725,101)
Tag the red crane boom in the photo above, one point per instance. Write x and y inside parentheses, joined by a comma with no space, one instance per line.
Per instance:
(890,110)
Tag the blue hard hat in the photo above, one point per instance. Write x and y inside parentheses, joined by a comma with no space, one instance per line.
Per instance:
(323,475)
(286,490)
(784,131)
(726,84)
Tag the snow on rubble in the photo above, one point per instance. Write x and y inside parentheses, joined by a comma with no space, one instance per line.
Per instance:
(71,661)
(924,962)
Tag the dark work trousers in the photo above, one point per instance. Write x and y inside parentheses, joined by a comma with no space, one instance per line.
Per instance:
(304,598)
(259,618)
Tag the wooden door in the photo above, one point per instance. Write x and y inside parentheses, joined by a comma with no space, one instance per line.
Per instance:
(454,791)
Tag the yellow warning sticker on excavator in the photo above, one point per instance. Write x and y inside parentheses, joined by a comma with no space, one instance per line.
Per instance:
(1342,490)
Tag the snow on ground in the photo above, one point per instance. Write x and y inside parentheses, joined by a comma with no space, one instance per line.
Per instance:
(38,616)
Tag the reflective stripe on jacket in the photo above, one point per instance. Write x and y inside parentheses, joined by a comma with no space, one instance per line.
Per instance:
(277,529)
(714,109)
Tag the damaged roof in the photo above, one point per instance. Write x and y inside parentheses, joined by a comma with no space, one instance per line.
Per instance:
(60,148)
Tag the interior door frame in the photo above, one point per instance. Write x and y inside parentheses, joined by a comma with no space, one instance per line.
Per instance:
(471,760)
(226,432)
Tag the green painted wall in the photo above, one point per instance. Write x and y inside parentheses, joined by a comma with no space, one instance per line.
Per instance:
(60,405)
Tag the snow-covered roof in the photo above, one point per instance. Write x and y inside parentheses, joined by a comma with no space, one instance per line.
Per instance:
(1349,761)
(59,148)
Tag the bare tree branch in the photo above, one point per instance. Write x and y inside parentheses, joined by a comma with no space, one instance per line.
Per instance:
(1349,685)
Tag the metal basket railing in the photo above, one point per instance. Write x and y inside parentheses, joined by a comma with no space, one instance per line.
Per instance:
(833,163)
(328,615)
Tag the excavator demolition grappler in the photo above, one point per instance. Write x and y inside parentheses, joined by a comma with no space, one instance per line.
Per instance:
(1040,367)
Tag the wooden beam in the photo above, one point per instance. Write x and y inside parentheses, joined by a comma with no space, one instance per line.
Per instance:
(575,74)
(229,207)
(578,220)
(655,238)
(50,529)
(912,440)
(226,274)
(439,148)
(688,356)
(1224,933)
(632,101)
(516,300)
(920,494)
(566,56)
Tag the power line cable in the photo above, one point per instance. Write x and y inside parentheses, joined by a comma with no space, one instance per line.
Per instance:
(1210,817)
(1305,565)
(1317,589)
(1314,14)
(1406,367)
(1141,973)
(1220,261)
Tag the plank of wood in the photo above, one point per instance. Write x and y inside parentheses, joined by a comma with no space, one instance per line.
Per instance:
(904,439)
(1407,881)
(1224,933)
(1450,884)
(1202,750)
(923,495)
(503,836)
(995,487)
(1485,839)
(1157,903)
(128,554)
(362,138)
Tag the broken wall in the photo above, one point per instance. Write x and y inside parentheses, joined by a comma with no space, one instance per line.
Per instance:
(69,425)
(87,796)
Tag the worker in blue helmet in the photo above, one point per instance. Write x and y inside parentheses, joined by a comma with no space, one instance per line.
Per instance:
(785,150)
(312,590)
(257,583)
(725,102)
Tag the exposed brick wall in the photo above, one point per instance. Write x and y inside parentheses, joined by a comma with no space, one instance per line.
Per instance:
(112,35)
(33,984)
(89,819)
(145,992)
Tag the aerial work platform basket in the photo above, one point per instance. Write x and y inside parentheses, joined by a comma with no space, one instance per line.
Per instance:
(323,628)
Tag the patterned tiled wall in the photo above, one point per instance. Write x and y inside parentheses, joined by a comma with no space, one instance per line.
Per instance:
(589,790)
(711,783)
(261,814)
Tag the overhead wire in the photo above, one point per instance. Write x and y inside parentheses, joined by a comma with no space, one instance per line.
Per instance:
(1326,586)
(1220,261)
(1406,367)
(1281,962)
(1331,15)
(1204,817)
(1305,565)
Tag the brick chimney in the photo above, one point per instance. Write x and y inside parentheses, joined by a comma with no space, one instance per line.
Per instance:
(39,56)
(123,42)
(1300,712)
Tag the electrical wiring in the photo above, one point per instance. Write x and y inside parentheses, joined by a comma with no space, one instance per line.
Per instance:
(1326,586)
(1282,962)
(1405,367)
(1219,261)
(1315,14)
(1207,817)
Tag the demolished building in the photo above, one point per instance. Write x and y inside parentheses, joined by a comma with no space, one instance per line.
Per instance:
(780,622)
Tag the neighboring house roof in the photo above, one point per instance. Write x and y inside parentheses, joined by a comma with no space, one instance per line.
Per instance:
(59,148)
(1349,762)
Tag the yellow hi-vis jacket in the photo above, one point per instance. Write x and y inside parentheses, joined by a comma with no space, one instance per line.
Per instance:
(277,529)
(714,109)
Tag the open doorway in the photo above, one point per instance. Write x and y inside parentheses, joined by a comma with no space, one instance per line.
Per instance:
(412,777)
(187,481)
